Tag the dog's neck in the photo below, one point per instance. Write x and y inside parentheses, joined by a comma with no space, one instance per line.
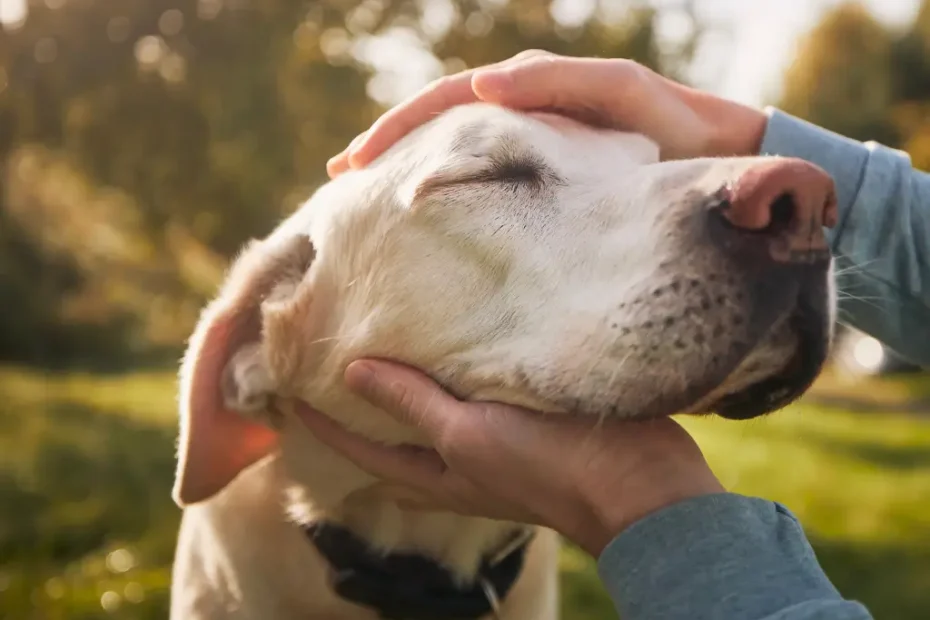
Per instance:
(321,485)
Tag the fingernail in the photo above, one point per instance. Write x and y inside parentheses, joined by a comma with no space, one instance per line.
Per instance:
(361,378)
(492,82)
(332,162)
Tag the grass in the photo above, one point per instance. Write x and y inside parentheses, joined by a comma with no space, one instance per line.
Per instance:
(87,527)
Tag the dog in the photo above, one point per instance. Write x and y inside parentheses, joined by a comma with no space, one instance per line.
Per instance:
(516,257)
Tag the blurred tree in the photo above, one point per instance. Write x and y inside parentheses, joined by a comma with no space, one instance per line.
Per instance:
(143,141)
(862,79)
(911,115)
(840,78)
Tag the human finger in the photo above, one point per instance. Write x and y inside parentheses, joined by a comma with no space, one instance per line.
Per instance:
(414,478)
(408,395)
(400,120)
(560,82)
(444,93)
(339,163)
(402,465)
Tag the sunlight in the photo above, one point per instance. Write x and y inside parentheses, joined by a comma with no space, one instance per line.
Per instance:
(12,13)
(144,143)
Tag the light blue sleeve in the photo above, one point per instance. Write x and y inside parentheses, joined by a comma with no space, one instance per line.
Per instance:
(720,557)
(882,240)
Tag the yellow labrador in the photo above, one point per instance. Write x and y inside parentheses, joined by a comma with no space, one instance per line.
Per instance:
(520,258)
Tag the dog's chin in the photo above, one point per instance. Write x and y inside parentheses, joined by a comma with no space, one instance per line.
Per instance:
(787,382)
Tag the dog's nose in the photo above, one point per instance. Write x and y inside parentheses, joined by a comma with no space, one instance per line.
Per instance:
(786,201)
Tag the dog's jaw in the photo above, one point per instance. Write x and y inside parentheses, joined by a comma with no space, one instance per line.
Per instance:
(322,484)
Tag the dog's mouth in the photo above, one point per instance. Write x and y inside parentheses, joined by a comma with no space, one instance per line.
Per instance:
(810,327)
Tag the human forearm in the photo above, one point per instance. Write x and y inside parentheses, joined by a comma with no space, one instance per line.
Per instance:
(720,556)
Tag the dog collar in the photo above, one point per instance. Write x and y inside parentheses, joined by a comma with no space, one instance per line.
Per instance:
(411,586)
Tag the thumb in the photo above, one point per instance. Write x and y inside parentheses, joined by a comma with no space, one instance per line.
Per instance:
(409,396)
(558,82)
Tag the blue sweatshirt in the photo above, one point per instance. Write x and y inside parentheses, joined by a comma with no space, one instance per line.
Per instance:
(727,556)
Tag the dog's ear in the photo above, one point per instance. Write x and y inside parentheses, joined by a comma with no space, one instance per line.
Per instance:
(224,378)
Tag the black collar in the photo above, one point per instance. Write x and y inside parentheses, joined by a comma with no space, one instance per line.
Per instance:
(409,586)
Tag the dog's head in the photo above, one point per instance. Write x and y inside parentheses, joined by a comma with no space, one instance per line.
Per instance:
(527,259)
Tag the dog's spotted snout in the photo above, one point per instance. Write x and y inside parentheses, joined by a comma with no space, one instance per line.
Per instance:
(787,202)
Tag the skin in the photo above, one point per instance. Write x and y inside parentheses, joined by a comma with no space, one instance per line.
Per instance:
(615,93)
(499,461)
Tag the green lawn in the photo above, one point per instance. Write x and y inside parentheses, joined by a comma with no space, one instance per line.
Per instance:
(87,526)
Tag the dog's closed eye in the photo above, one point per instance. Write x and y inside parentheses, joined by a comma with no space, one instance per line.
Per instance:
(523,170)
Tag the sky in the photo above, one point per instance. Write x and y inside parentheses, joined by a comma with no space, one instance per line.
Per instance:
(746,67)
(765,34)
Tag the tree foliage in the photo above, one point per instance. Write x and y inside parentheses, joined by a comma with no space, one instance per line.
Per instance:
(142,141)
(860,78)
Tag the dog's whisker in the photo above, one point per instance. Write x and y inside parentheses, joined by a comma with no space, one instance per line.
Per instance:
(869,301)
(855,267)
(859,297)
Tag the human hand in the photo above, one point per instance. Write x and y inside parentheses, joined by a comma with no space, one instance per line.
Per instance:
(616,93)
(586,479)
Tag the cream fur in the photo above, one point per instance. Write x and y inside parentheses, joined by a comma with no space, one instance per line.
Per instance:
(535,292)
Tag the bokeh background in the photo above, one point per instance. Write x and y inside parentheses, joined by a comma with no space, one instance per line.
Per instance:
(143,141)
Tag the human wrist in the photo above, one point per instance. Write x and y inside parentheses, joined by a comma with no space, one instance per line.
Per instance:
(738,130)
(612,511)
